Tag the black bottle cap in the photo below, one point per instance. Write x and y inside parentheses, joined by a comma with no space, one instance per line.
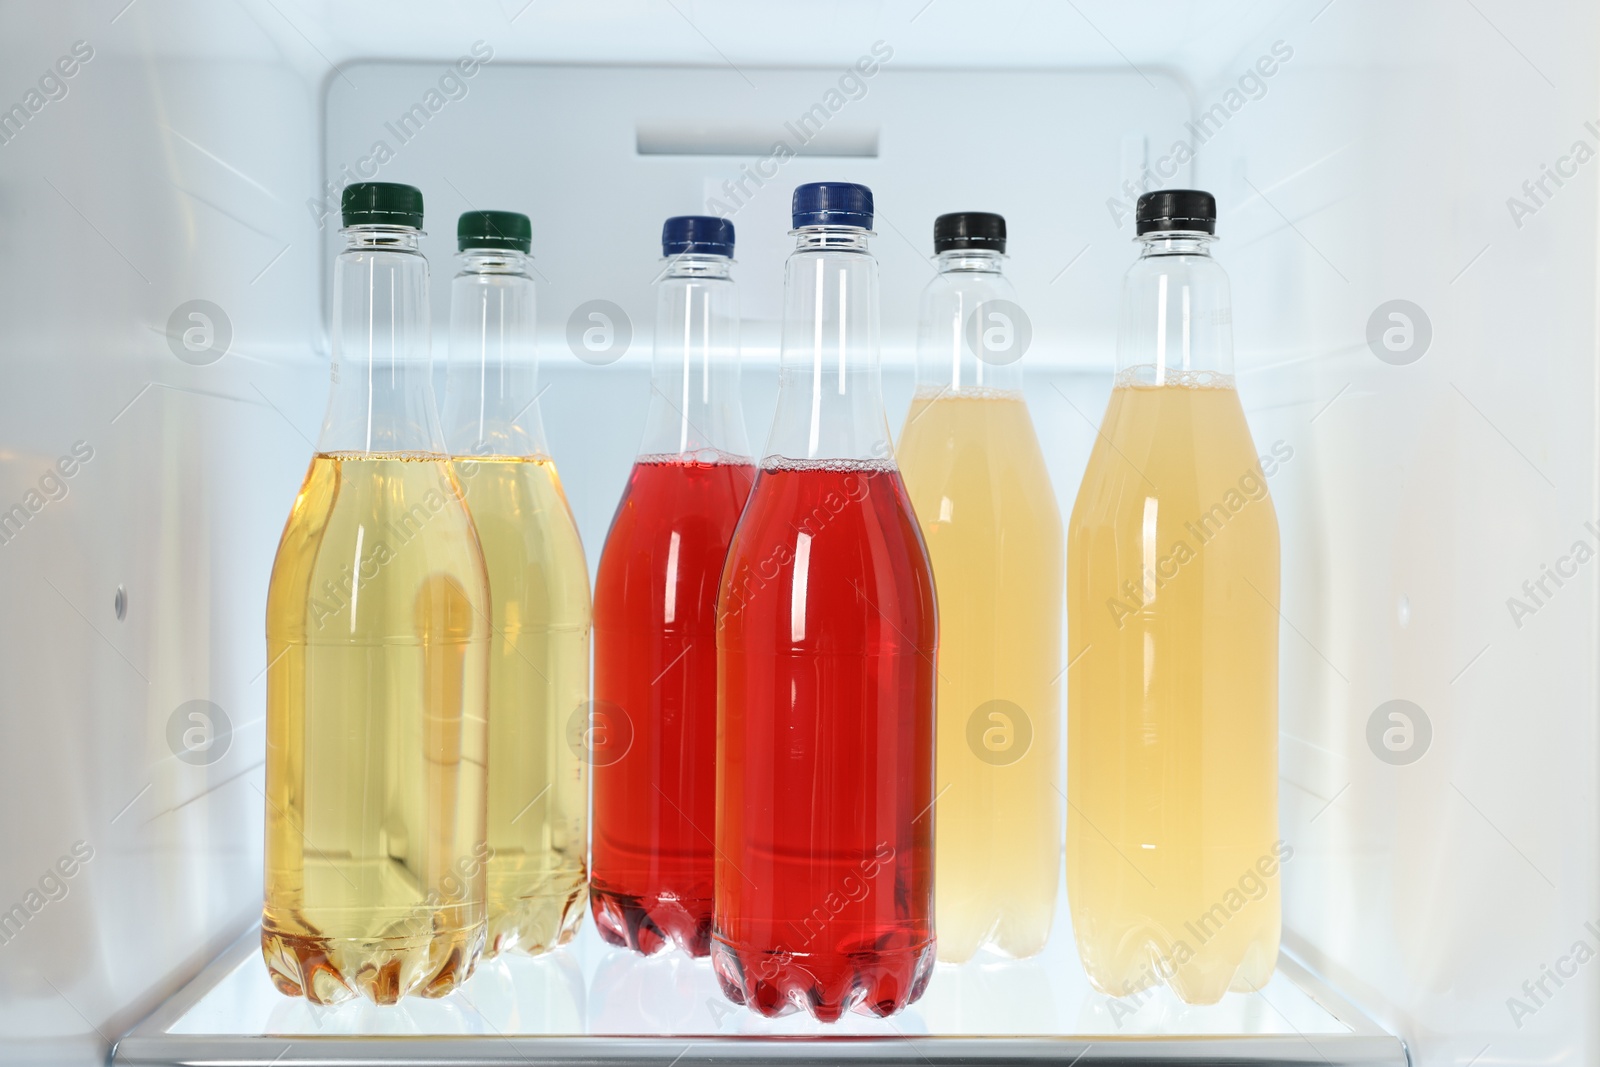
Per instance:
(381,204)
(969,229)
(494,229)
(1176,209)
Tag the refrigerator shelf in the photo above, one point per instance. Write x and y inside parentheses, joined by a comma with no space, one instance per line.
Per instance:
(589,1004)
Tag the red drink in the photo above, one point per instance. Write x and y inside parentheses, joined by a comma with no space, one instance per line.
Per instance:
(827,643)
(656,659)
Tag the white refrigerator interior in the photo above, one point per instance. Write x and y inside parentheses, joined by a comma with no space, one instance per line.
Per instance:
(1407,199)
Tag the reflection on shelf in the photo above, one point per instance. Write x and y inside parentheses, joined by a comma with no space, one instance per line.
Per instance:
(592,989)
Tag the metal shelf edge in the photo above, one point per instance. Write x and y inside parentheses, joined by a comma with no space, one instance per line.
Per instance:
(1337,1051)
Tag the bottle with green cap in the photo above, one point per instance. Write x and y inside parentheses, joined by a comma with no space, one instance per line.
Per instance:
(538,591)
(378,659)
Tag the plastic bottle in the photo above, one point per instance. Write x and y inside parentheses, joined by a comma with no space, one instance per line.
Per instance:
(827,641)
(538,591)
(654,739)
(377,653)
(982,495)
(1172,582)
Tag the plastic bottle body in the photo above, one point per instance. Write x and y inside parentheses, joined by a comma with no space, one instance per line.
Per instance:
(1173,579)
(540,609)
(655,612)
(827,638)
(977,479)
(377,671)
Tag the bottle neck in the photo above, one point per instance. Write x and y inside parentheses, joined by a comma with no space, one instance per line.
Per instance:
(382,396)
(961,305)
(830,398)
(831,239)
(968,261)
(696,407)
(1177,321)
(697,265)
(1175,243)
(491,389)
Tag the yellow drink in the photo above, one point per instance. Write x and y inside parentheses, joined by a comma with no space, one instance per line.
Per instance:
(538,678)
(978,483)
(1172,707)
(377,649)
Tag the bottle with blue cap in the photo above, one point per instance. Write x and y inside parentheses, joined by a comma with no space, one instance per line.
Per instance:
(979,483)
(377,659)
(538,591)
(655,718)
(827,638)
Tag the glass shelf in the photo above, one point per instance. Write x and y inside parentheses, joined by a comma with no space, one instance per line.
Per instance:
(589,1003)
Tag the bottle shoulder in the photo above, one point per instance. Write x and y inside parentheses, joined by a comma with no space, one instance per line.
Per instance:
(1179,449)
(380,548)
(844,535)
(671,505)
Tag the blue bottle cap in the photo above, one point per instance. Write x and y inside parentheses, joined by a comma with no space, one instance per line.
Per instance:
(832,204)
(702,234)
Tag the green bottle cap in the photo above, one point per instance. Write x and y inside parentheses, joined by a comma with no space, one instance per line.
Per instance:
(381,204)
(494,229)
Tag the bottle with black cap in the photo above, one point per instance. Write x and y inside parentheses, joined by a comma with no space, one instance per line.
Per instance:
(1172,706)
(377,658)
(538,590)
(981,489)
(827,640)
(655,713)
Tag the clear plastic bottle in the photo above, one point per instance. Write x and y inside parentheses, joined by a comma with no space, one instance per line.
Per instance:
(538,591)
(1172,582)
(982,494)
(827,638)
(377,653)
(655,610)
